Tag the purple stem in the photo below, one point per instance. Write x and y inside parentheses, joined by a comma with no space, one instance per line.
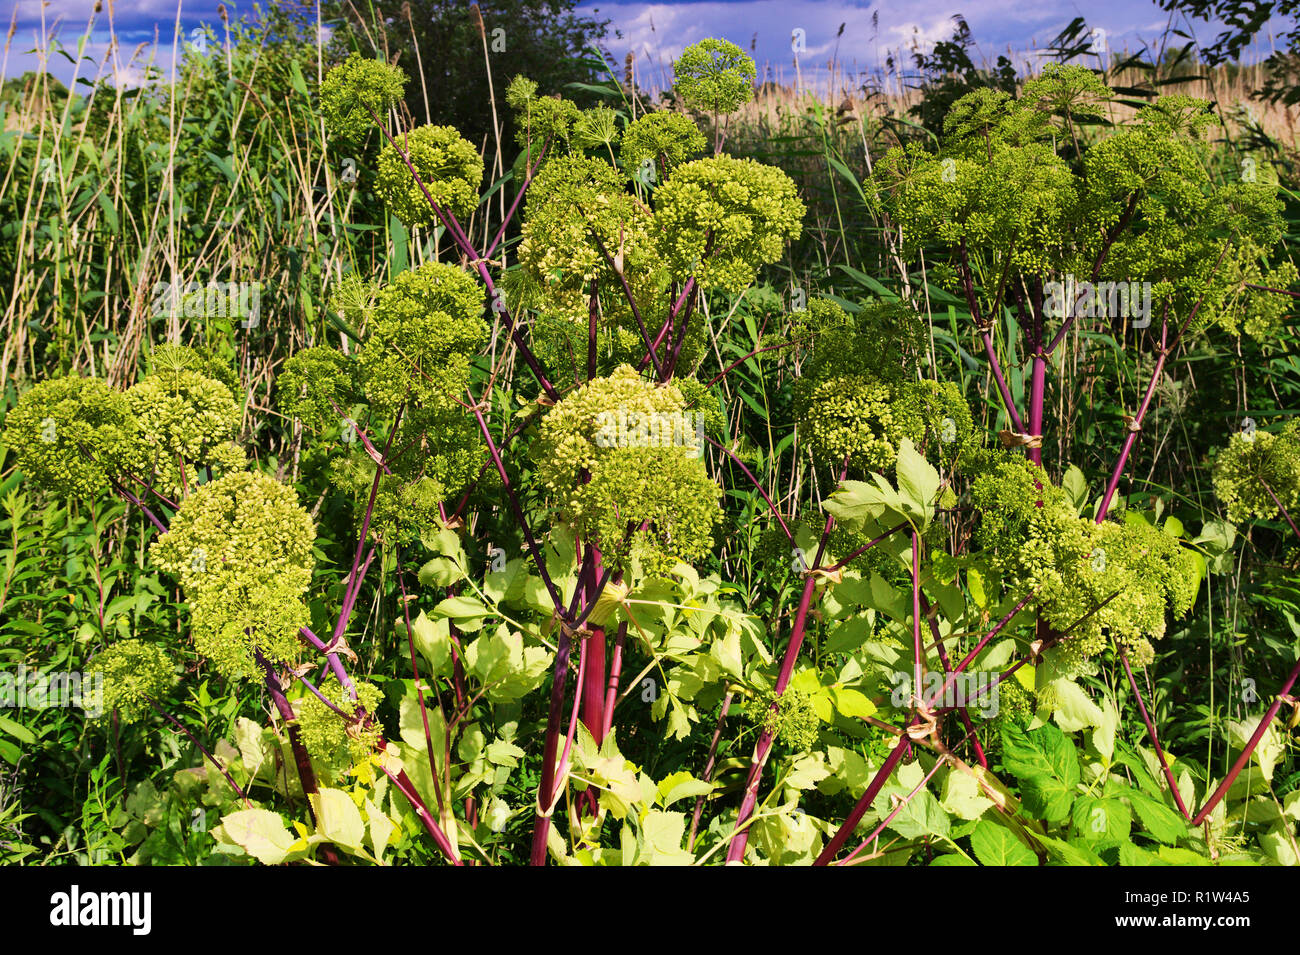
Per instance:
(1151,732)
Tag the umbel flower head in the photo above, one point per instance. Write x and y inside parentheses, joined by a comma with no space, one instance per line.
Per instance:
(1122,577)
(315,386)
(858,396)
(602,455)
(356,88)
(241,548)
(333,742)
(70,434)
(666,139)
(182,417)
(539,118)
(448,166)
(424,328)
(1252,465)
(714,76)
(133,671)
(721,219)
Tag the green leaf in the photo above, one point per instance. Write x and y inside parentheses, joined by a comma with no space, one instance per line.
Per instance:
(681,785)
(1045,762)
(1163,823)
(995,845)
(1101,820)
(338,819)
(261,833)
(1075,486)
(918,483)
(17,731)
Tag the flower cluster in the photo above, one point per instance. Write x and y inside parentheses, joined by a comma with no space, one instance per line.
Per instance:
(70,434)
(714,76)
(539,118)
(666,139)
(333,742)
(424,329)
(609,492)
(241,548)
(449,168)
(858,396)
(315,385)
(721,219)
(133,672)
(789,718)
(1252,465)
(1094,580)
(182,418)
(354,90)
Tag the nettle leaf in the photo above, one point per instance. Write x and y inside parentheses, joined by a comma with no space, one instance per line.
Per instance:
(995,845)
(1045,762)
(1101,820)
(1164,824)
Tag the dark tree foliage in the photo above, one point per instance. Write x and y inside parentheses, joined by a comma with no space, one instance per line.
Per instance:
(948,73)
(542,39)
(1245,19)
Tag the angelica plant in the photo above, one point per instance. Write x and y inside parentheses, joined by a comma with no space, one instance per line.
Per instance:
(529,470)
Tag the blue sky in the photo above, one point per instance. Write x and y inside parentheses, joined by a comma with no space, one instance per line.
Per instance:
(656,32)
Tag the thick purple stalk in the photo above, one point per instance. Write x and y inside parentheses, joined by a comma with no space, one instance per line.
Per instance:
(533,549)
(467,249)
(306,775)
(1136,427)
(901,749)
(542,824)
(708,768)
(407,789)
(740,836)
(966,660)
(1037,390)
(1151,732)
(1244,758)
(902,803)
(986,334)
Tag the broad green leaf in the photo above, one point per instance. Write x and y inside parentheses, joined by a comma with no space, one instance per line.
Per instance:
(1045,762)
(918,483)
(261,833)
(1101,820)
(995,845)
(338,819)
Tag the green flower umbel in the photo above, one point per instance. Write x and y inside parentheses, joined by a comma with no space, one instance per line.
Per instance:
(629,437)
(241,548)
(449,167)
(132,672)
(355,89)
